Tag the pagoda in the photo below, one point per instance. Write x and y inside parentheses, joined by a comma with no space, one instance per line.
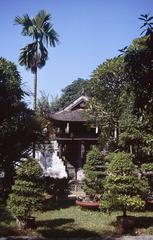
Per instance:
(74,135)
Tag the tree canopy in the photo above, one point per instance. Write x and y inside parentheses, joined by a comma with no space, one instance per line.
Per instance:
(18,125)
(35,54)
(69,94)
(122,97)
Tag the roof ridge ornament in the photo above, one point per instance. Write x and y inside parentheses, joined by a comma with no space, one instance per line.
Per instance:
(83,91)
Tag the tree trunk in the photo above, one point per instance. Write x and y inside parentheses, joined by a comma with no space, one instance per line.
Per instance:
(34,149)
(116,131)
(24,223)
(34,105)
(131,149)
(35,91)
(7,181)
(124,212)
(21,223)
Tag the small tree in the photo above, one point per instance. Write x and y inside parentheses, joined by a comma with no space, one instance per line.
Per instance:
(147,171)
(94,169)
(27,193)
(122,189)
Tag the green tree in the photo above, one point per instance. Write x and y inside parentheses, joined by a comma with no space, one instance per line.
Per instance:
(139,73)
(122,188)
(27,193)
(35,54)
(121,90)
(45,106)
(94,170)
(69,94)
(105,87)
(136,128)
(18,124)
(73,91)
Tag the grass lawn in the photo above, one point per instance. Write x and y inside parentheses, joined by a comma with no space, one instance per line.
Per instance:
(74,222)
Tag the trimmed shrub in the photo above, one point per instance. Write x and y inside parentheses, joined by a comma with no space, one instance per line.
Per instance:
(27,193)
(122,188)
(94,170)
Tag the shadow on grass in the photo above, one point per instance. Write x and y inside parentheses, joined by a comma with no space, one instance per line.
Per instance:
(63,227)
(5,221)
(144,222)
(54,223)
(5,216)
(140,223)
(58,204)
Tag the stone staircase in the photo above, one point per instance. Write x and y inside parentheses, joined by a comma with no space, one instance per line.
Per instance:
(51,164)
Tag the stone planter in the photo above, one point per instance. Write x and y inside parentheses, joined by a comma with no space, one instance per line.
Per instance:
(126,224)
(88,205)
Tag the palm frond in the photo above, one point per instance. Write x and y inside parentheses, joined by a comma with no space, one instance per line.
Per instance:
(147,24)
(27,57)
(150,18)
(141,18)
(143,25)
(27,24)
(41,30)
(42,55)
(53,37)
(42,17)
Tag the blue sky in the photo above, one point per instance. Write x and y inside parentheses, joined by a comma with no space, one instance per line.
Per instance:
(90,31)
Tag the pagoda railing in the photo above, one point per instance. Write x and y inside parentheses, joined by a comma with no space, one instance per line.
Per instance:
(76,188)
(77,135)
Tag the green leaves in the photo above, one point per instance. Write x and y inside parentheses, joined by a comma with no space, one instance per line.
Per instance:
(94,169)
(105,88)
(147,167)
(122,188)
(29,169)
(108,77)
(26,22)
(35,54)
(73,91)
(147,23)
(120,163)
(27,192)
(18,125)
(41,30)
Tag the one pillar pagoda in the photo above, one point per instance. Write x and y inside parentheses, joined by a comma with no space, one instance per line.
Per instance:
(74,135)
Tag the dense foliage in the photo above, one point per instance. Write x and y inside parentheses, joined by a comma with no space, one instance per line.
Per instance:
(105,87)
(73,91)
(123,190)
(136,129)
(56,187)
(121,90)
(68,95)
(121,102)
(18,125)
(27,193)
(94,170)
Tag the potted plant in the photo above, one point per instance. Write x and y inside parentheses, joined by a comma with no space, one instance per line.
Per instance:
(123,190)
(27,193)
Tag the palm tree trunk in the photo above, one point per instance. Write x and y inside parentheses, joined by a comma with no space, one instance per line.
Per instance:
(35,91)
(34,106)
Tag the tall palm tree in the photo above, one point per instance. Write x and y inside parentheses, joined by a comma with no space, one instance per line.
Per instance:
(35,54)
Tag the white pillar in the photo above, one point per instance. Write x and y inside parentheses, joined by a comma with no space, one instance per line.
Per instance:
(67,129)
